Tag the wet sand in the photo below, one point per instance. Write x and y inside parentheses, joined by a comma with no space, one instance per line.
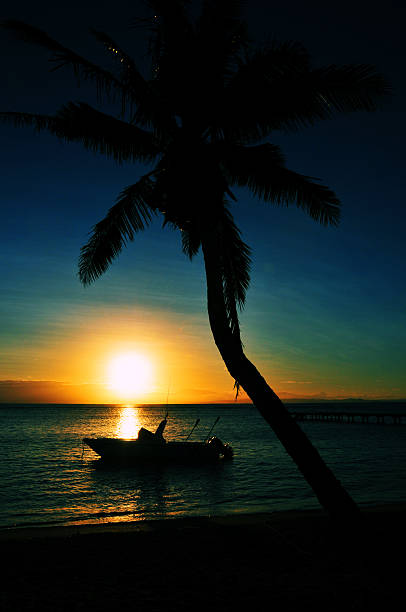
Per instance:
(280,561)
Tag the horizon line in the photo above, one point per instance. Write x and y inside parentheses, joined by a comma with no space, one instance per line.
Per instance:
(220,403)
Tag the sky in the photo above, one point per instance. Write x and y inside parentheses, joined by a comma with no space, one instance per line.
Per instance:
(325,313)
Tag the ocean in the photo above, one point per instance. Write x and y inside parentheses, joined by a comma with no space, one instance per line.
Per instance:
(47,476)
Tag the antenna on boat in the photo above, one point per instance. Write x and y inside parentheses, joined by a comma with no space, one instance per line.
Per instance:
(193,428)
(212,427)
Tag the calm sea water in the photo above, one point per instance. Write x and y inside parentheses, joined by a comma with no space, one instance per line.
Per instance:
(46,477)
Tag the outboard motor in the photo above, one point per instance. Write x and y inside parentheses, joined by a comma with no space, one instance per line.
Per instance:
(224,450)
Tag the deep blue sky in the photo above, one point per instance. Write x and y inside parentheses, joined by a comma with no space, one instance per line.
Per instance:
(326,310)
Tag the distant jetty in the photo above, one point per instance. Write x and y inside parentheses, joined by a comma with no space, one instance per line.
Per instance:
(376,418)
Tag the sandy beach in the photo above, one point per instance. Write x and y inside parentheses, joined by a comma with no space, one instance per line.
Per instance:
(279,561)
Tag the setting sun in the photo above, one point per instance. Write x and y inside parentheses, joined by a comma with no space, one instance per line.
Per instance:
(130,374)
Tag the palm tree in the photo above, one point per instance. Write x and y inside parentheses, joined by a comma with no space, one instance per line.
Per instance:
(204,115)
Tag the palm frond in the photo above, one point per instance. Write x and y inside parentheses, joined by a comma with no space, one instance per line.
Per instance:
(242,110)
(172,52)
(106,83)
(150,111)
(240,163)
(220,40)
(130,75)
(191,240)
(97,131)
(168,26)
(39,122)
(235,268)
(131,213)
(349,88)
(262,170)
(223,35)
(318,201)
(275,88)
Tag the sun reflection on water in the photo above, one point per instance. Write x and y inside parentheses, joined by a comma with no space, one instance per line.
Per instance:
(129,423)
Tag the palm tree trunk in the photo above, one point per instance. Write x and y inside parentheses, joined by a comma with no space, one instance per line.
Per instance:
(329,491)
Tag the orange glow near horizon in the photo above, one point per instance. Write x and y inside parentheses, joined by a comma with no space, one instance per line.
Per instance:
(71,361)
(68,363)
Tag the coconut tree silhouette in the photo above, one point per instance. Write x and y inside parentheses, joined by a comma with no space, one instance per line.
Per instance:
(204,115)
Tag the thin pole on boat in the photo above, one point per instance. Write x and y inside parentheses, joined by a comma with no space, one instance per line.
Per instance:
(212,427)
(193,428)
(167,400)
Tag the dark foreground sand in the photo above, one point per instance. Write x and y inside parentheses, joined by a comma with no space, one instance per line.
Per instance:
(280,561)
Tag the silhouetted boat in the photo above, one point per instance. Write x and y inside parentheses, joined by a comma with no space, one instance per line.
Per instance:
(136,451)
(151,447)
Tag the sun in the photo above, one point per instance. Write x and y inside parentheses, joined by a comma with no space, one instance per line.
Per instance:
(129,374)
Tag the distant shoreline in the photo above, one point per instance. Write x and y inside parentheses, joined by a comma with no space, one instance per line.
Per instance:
(225,403)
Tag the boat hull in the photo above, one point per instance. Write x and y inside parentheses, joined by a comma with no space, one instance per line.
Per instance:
(134,451)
